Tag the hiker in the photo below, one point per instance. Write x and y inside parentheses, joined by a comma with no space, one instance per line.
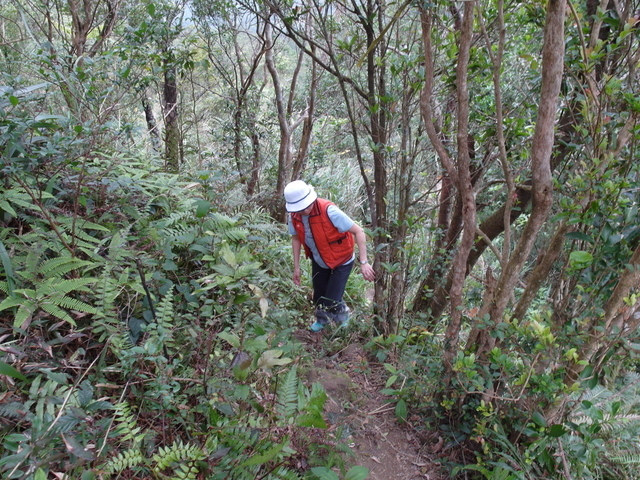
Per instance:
(327,235)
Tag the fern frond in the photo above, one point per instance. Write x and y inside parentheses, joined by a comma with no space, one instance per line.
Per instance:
(177,453)
(126,425)
(107,290)
(164,313)
(12,410)
(30,271)
(24,314)
(57,312)
(58,267)
(282,473)
(219,222)
(128,459)
(116,245)
(288,395)
(73,304)
(627,459)
(236,235)
(81,223)
(632,378)
(61,287)
(10,302)
(317,398)
(176,219)
(610,423)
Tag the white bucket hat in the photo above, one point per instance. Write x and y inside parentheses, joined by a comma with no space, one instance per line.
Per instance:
(299,196)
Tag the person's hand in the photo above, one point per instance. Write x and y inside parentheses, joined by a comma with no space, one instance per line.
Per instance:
(296,276)
(367,272)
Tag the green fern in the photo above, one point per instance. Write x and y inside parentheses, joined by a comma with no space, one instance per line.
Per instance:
(131,458)
(109,325)
(179,456)
(288,395)
(174,462)
(50,268)
(110,285)
(164,312)
(311,406)
(629,459)
(160,332)
(12,410)
(610,420)
(51,297)
(47,290)
(126,425)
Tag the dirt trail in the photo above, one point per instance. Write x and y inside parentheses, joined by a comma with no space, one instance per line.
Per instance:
(356,408)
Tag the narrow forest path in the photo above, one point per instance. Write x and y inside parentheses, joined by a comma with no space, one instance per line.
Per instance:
(357,410)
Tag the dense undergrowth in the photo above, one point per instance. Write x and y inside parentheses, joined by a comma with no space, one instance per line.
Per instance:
(146,331)
(146,324)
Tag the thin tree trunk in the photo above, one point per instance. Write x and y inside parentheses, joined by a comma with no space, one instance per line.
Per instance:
(452,332)
(541,272)
(152,125)
(285,155)
(542,145)
(172,135)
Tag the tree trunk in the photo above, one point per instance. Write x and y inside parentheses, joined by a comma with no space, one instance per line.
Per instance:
(307,127)
(172,136)
(467,195)
(541,150)
(152,126)
(285,154)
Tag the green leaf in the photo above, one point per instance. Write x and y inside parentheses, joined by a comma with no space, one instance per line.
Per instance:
(391,380)
(231,338)
(539,420)
(323,473)
(228,256)
(10,302)
(271,358)
(264,458)
(76,448)
(557,430)
(580,258)
(311,420)
(9,371)
(88,475)
(357,473)
(580,236)
(57,312)
(23,314)
(4,205)
(202,208)
(401,410)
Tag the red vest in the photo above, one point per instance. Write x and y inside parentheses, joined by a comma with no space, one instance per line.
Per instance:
(335,247)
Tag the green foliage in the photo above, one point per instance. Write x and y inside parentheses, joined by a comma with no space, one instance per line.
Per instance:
(49,423)
(42,287)
(156,316)
(355,473)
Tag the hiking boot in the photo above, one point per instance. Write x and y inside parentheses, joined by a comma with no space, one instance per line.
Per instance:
(342,316)
(316,326)
(322,318)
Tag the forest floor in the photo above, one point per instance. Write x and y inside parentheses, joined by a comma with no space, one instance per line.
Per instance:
(357,409)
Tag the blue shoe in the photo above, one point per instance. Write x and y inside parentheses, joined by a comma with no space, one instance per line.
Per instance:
(316,327)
